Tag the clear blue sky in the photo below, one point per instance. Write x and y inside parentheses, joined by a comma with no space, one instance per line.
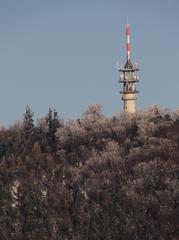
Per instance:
(62,54)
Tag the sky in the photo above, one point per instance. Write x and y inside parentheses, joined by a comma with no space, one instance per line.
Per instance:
(62,54)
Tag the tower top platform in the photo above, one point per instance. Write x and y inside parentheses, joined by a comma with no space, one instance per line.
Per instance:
(129,67)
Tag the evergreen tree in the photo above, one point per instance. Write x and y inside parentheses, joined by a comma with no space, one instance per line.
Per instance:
(28,122)
(53,123)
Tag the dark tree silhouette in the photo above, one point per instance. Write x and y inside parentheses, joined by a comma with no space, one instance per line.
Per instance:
(28,122)
(53,124)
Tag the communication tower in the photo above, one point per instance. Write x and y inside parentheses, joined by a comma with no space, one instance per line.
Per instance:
(128,78)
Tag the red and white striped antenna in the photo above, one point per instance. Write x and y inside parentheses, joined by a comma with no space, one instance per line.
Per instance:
(128,46)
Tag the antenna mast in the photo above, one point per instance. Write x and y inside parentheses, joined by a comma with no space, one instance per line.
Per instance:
(128,46)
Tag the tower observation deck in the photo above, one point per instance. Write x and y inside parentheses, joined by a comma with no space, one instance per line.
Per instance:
(128,78)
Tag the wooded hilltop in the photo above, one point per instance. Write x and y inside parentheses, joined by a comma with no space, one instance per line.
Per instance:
(92,178)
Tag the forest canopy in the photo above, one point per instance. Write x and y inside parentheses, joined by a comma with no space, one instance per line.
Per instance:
(92,178)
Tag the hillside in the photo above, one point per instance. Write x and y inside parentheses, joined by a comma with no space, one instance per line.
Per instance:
(91,178)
